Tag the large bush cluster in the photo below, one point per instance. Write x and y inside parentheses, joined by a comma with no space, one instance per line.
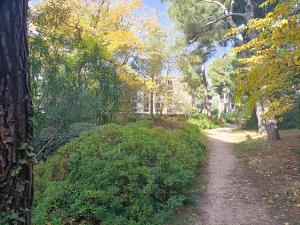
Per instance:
(118,175)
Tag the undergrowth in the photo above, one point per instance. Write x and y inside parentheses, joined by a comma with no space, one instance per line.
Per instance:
(136,174)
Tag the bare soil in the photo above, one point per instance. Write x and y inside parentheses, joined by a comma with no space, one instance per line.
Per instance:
(230,197)
(275,169)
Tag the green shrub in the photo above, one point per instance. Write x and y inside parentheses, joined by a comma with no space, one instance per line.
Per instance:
(202,121)
(61,139)
(251,123)
(291,119)
(118,175)
(230,118)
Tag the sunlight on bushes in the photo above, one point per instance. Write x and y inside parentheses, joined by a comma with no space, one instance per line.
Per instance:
(136,174)
(202,121)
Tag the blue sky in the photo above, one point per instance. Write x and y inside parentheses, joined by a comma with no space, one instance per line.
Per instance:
(161,9)
(155,4)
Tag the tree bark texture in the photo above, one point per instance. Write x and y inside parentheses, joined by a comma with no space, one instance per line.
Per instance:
(16,191)
(260,121)
(272,130)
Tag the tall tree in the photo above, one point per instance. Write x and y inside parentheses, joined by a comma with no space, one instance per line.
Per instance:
(16,177)
(150,64)
(190,16)
(221,73)
(271,70)
(202,21)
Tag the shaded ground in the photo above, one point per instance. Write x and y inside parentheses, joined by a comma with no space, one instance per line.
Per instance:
(231,198)
(275,169)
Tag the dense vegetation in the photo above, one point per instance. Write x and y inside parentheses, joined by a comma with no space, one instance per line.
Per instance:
(261,74)
(133,174)
(97,63)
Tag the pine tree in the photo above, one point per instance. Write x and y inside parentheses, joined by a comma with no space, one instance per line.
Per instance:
(16,177)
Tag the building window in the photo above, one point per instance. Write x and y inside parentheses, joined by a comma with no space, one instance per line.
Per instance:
(169,110)
(170,83)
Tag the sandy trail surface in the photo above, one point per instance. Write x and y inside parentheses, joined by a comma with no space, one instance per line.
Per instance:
(231,198)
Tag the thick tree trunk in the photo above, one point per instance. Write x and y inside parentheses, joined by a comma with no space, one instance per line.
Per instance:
(16,178)
(272,130)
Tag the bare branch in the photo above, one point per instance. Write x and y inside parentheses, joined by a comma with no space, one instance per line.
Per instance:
(222,18)
(228,15)
(194,37)
(51,139)
(217,3)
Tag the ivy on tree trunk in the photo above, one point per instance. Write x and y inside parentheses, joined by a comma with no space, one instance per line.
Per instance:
(16,190)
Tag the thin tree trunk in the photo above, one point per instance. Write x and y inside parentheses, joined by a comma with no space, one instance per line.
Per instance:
(230,104)
(220,107)
(225,102)
(16,190)
(151,104)
(206,91)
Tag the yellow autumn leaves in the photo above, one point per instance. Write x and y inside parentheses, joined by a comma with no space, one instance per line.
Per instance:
(272,64)
(117,25)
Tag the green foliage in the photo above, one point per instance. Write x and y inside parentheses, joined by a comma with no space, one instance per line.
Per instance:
(191,15)
(63,137)
(221,73)
(271,66)
(230,118)
(74,77)
(251,123)
(10,218)
(202,121)
(108,94)
(291,119)
(135,174)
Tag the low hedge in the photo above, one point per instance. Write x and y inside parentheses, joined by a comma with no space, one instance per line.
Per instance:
(136,174)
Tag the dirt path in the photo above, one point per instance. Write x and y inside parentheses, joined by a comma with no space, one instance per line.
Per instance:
(230,198)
